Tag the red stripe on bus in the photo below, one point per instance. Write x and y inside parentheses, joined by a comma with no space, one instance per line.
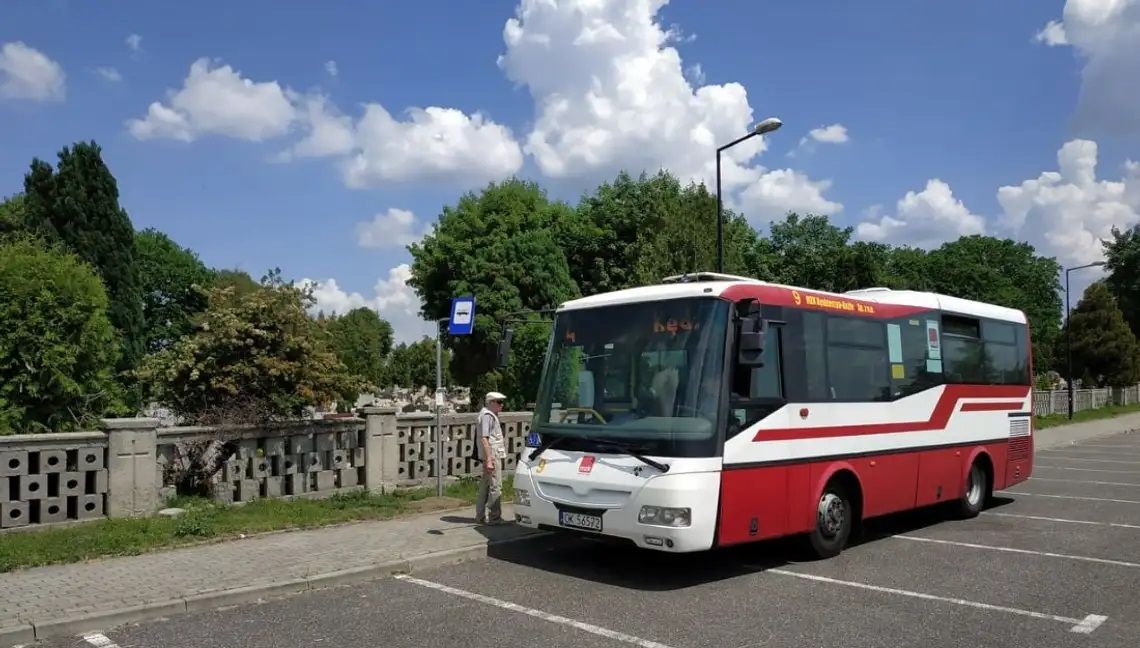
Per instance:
(1002,406)
(938,418)
(820,301)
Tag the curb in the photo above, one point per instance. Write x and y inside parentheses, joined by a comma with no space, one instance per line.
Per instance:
(101,621)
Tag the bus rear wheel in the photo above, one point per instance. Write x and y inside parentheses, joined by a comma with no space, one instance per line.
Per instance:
(974,495)
(833,521)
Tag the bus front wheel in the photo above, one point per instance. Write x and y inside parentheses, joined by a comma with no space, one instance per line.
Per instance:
(833,521)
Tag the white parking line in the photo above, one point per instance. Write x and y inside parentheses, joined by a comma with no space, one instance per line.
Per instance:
(1112,461)
(1100,470)
(1072,497)
(1047,554)
(1118,525)
(1083,626)
(1088,454)
(539,614)
(1084,481)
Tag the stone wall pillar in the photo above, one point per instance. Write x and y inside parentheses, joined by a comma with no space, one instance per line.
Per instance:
(132,475)
(381,448)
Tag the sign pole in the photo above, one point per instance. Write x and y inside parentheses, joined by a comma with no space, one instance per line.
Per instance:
(438,406)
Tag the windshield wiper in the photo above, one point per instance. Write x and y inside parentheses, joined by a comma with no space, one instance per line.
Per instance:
(542,447)
(633,451)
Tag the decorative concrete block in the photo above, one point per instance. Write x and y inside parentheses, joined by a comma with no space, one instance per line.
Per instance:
(326,480)
(97,481)
(90,459)
(72,483)
(404,435)
(274,446)
(300,444)
(224,493)
(349,440)
(421,435)
(13,463)
(52,509)
(456,466)
(418,469)
(235,469)
(33,487)
(428,451)
(274,486)
(297,484)
(509,462)
(248,490)
(403,470)
(247,448)
(88,506)
(13,514)
(466,448)
(410,452)
(349,477)
(338,459)
(5,489)
(52,461)
(286,465)
(359,457)
(314,461)
(259,468)
(326,441)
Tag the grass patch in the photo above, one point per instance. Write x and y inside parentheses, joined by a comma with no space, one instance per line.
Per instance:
(1054,420)
(204,521)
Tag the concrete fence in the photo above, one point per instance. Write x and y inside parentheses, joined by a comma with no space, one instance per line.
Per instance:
(132,466)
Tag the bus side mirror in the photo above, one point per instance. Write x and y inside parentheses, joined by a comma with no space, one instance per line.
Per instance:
(753,334)
(505,347)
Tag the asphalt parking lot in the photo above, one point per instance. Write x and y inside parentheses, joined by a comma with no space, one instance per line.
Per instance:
(1054,562)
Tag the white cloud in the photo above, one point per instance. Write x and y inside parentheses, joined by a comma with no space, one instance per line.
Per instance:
(392,298)
(621,100)
(435,143)
(1052,34)
(218,101)
(833,134)
(925,219)
(331,69)
(1106,37)
(109,74)
(134,41)
(27,73)
(775,193)
(395,228)
(1068,212)
(329,131)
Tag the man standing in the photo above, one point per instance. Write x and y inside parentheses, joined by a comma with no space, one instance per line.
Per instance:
(492,451)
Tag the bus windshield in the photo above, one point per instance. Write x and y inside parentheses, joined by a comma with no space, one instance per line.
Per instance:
(649,374)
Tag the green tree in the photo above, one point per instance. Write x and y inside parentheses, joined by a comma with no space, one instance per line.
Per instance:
(78,204)
(1104,348)
(362,341)
(907,269)
(1007,273)
(812,253)
(12,214)
(1122,260)
(254,356)
(413,365)
(502,246)
(57,346)
(238,280)
(520,378)
(170,276)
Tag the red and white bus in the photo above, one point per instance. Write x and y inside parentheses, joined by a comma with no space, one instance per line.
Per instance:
(713,410)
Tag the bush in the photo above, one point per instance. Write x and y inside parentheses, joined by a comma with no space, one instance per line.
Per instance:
(57,346)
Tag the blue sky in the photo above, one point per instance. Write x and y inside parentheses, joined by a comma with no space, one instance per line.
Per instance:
(228,127)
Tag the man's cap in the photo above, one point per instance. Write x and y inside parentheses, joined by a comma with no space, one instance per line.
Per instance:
(495,396)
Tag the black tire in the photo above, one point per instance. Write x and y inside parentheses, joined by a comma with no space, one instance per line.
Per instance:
(974,493)
(833,522)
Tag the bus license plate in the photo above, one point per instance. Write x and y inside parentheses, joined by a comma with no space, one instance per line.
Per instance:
(580,520)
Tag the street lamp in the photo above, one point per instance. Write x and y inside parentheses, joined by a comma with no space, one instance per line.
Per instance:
(1068,328)
(767,126)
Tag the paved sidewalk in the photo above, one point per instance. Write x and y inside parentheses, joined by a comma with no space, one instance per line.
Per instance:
(67,599)
(1066,434)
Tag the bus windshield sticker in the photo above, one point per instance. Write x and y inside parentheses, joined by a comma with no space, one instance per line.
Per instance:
(894,342)
(933,366)
(898,371)
(933,348)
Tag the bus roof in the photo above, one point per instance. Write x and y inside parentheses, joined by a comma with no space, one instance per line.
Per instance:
(872,302)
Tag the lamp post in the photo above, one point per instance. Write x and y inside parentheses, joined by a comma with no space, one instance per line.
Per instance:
(1068,329)
(767,126)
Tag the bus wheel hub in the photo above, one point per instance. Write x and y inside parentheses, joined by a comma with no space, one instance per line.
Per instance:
(830,514)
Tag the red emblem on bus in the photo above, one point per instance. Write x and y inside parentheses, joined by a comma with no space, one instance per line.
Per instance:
(586,465)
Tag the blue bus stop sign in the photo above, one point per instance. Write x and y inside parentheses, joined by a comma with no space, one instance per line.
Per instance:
(462,316)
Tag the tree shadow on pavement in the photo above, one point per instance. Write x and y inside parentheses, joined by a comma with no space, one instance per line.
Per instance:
(622,565)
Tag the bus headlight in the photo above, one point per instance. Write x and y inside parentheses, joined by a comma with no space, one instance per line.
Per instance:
(665,516)
(522,497)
